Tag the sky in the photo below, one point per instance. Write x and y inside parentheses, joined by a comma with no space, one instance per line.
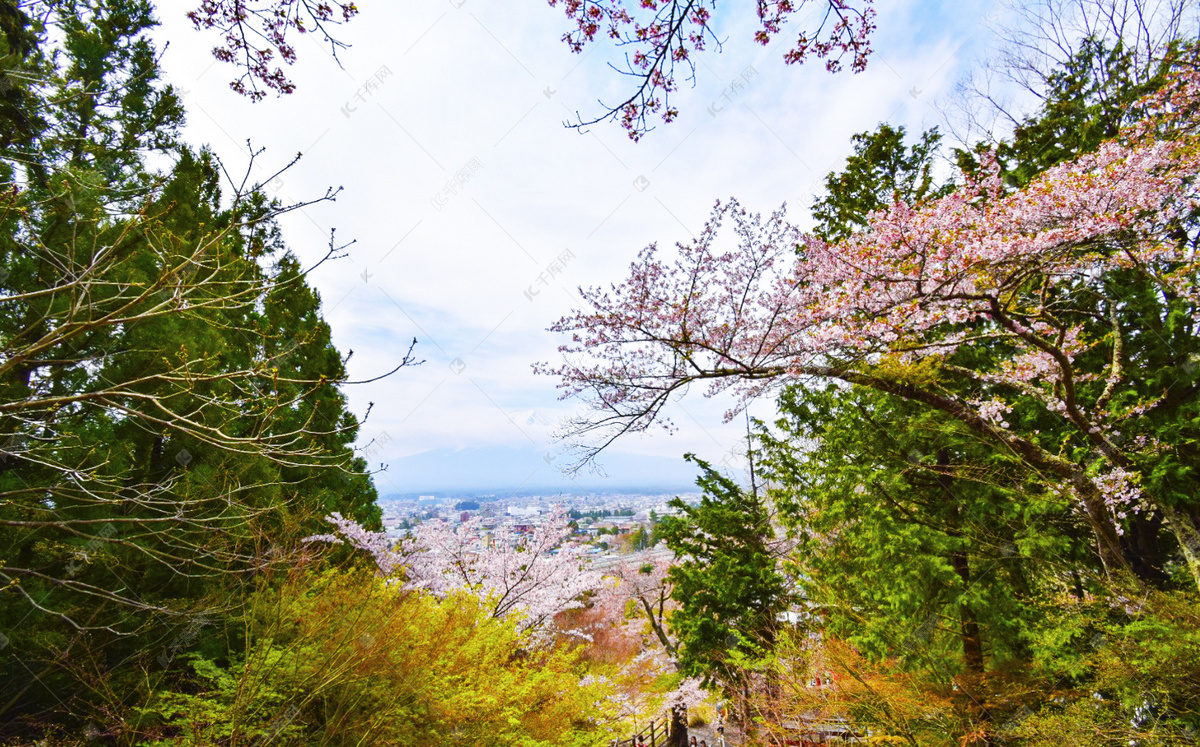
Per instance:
(431,89)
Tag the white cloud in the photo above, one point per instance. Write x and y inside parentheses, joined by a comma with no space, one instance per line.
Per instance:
(491,83)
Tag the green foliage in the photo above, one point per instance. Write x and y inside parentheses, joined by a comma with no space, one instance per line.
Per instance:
(172,419)
(909,532)
(344,658)
(639,539)
(727,584)
(880,172)
(1129,668)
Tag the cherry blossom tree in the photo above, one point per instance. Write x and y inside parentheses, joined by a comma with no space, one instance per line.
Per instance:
(643,582)
(538,574)
(984,304)
(535,575)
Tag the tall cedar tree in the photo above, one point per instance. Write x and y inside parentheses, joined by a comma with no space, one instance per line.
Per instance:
(170,417)
(727,581)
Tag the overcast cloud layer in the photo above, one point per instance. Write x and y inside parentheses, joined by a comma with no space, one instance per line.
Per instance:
(431,88)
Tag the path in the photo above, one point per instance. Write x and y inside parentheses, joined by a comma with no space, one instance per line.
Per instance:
(708,733)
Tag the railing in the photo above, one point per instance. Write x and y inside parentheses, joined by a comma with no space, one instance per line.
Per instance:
(807,732)
(804,732)
(655,734)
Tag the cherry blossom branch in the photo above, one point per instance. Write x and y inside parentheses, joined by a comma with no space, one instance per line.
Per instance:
(889,307)
(255,32)
(534,576)
(663,33)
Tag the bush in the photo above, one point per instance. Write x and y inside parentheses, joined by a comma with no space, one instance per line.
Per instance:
(347,659)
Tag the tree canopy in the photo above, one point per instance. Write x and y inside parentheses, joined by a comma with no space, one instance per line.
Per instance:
(172,415)
(972,520)
(984,449)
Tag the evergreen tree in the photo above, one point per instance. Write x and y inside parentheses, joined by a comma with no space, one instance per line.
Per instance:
(913,541)
(881,171)
(727,581)
(171,417)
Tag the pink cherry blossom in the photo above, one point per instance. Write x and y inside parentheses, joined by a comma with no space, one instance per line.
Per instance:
(660,34)
(534,576)
(885,308)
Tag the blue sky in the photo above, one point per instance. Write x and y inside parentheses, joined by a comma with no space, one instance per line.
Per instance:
(431,87)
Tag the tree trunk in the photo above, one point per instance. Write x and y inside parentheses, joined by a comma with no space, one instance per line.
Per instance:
(972,639)
(1143,547)
(1189,538)
(1108,543)
(677,732)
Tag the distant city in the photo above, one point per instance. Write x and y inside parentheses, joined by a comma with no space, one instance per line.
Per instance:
(616,513)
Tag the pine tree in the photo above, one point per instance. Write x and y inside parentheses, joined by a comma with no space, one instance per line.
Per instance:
(727,581)
(171,419)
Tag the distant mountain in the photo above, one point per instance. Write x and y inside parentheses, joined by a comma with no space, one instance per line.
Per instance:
(503,471)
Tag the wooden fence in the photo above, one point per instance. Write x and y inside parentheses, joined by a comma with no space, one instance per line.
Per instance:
(655,734)
(799,733)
